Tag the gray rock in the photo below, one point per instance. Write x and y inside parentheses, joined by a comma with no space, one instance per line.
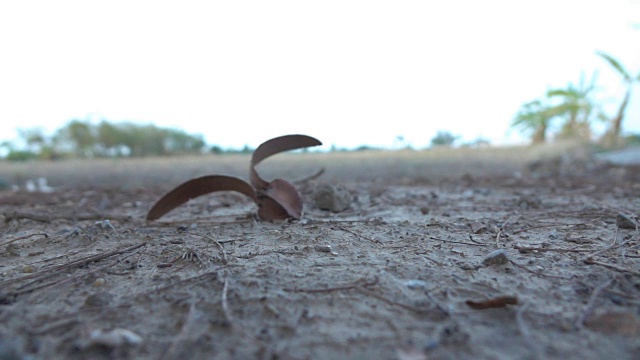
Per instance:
(625,222)
(332,198)
(477,227)
(497,257)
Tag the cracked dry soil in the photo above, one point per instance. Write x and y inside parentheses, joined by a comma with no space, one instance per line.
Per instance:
(402,273)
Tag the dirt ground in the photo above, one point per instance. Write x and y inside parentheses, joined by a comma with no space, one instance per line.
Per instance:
(441,254)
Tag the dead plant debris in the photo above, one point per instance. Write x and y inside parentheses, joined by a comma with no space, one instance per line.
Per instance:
(497,302)
(276,200)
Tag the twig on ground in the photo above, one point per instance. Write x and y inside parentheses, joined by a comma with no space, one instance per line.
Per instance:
(57,325)
(538,273)
(195,279)
(240,218)
(223,254)
(438,305)
(48,217)
(424,253)
(610,247)
(358,284)
(502,229)
(586,311)
(142,253)
(504,224)
(285,251)
(358,235)
(529,248)
(590,261)
(404,306)
(538,227)
(225,306)
(456,242)
(498,238)
(23,237)
(9,228)
(57,257)
(22,289)
(74,263)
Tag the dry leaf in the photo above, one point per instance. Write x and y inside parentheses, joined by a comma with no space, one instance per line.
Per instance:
(277,200)
(496,302)
(198,187)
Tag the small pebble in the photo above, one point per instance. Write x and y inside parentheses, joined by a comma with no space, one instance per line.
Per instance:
(99,282)
(113,338)
(477,227)
(497,257)
(105,224)
(325,248)
(625,222)
(332,198)
(28,269)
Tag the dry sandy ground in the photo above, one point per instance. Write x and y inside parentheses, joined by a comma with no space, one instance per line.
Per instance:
(406,272)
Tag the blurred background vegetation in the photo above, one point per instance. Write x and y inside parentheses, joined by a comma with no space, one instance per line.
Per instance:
(567,113)
(574,111)
(82,139)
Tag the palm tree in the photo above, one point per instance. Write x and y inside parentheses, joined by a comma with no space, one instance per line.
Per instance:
(576,106)
(612,135)
(535,117)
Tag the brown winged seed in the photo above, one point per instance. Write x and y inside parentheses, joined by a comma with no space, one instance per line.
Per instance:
(276,200)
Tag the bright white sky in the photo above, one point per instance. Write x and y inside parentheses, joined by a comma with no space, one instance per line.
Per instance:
(347,72)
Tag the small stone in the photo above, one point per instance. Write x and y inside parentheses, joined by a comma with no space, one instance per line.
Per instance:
(105,225)
(325,248)
(424,210)
(497,257)
(113,338)
(477,227)
(332,198)
(99,282)
(28,269)
(625,222)
(98,300)
(415,284)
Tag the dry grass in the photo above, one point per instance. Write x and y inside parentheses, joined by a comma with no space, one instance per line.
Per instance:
(393,166)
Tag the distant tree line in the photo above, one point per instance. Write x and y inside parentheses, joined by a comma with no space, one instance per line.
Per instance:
(84,139)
